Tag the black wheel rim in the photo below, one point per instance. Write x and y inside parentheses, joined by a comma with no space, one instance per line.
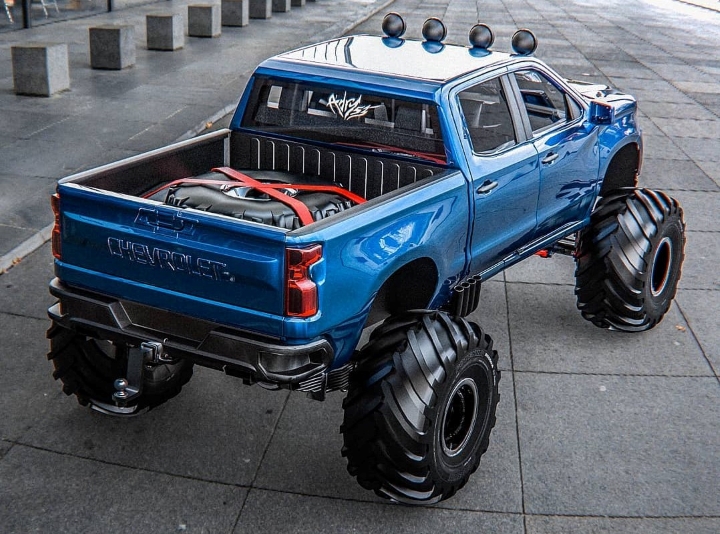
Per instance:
(460,417)
(661,265)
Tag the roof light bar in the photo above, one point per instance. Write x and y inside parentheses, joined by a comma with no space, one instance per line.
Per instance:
(393,25)
(524,42)
(481,36)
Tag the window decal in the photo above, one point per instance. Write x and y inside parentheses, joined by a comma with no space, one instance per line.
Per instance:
(347,108)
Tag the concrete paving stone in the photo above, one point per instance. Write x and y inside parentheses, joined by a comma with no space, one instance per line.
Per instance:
(216,429)
(5,446)
(631,69)
(672,174)
(25,201)
(156,136)
(702,257)
(712,169)
(702,311)
(655,146)
(675,111)
(305,514)
(700,210)
(127,109)
(556,270)
(700,149)
(58,159)
(678,73)
(27,391)
(13,236)
(491,315)
(692,128)
(47,492)
(25,124)
(619,446)
(87,129)
(549,334)
(304,452)
(21,289)
(708,87)
(571,525)
(708,100)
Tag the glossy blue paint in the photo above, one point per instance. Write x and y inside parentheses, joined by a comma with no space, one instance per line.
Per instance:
(233,271)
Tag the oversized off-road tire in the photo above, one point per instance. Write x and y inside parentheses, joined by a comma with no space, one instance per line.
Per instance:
(420,407)
(629,260)
(89,367)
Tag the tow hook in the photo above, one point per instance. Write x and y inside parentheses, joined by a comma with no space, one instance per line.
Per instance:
(130,387)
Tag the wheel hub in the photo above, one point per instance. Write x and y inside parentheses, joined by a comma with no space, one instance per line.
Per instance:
(460,417)
(660,272)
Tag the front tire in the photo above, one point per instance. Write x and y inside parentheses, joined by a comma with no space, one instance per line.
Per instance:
(629,260)
(88,368)
(420,407)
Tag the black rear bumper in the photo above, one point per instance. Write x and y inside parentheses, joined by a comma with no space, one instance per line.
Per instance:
(234,351)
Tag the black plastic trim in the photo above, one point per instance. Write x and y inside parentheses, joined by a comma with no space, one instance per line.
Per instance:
(237,352)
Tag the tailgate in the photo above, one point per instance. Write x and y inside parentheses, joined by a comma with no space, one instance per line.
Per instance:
(205,265)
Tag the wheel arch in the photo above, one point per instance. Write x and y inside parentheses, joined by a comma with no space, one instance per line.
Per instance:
(622,168)
(411,286)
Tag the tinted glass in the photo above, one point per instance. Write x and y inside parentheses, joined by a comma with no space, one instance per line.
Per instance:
(545,103)
(487,117)
(380,122)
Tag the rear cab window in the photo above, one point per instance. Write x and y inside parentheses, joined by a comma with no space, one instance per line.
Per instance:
(380,123)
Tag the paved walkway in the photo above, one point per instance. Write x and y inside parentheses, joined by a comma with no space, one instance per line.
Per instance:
(597,431)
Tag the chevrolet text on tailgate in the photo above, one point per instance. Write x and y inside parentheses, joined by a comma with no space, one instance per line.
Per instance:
(365,185)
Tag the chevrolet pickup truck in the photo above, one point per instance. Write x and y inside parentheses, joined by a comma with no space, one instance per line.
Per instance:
(366,185)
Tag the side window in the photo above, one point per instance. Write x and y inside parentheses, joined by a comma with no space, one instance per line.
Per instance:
(546,105)
(487,117)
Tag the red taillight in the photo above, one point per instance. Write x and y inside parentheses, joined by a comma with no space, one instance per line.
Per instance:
(301,295)
(56,237)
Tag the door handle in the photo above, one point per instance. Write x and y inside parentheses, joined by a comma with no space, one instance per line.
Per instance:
(486,187)
(552,156)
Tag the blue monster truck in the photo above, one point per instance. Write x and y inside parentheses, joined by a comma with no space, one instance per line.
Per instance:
(366,184)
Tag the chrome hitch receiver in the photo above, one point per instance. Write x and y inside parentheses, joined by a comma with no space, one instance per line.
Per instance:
(130,387)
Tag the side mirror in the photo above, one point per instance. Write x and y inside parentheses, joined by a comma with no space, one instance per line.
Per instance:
(601,113)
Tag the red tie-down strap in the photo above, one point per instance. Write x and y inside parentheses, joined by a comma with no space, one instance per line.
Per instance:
(271,190)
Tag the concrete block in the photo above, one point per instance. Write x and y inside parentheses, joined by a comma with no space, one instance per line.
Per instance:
(40,69)
(260,9)
(204,20)
(112,47)
(165,31)
(235,12)
(281,6)
(298,3)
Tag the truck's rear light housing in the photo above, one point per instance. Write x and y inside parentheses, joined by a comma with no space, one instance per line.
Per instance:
(301,293)
(56,237)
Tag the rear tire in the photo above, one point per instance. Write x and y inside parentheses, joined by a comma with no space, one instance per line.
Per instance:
(420,407)
(88,368)
(629,260)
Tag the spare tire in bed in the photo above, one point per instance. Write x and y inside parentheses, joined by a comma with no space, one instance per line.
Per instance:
(250,204)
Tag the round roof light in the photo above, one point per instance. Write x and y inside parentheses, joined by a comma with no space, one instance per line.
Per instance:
(524,42)
(481,36)
(393,25)
(434,30)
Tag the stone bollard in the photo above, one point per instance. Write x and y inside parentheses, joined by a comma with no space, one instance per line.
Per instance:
(112,47)
(260,9)
(204,20)
(235,12)
(281,6)
(40,69)
(165,31)
(298,3)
